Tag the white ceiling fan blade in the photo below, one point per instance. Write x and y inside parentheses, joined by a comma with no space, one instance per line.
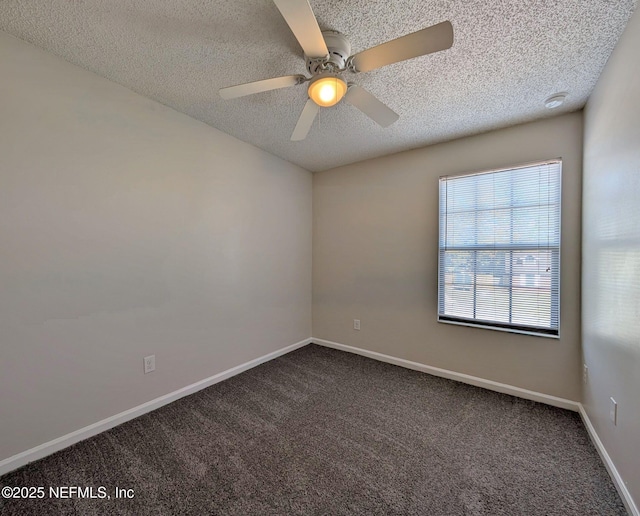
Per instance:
(305,121)
(371,106)
(425,41)
(302,22)
(250,88)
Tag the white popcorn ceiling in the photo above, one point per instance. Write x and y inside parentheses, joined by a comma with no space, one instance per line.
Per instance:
(507,58)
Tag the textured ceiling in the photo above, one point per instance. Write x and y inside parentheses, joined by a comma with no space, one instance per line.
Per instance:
(507,58)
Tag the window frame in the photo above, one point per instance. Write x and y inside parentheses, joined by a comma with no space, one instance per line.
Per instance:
(494,325)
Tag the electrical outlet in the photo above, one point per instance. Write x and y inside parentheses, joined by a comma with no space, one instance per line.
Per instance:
(585,373)
(149,364)
(356,324)
(613,411)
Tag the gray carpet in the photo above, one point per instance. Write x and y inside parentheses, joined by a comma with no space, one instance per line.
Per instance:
(320,431)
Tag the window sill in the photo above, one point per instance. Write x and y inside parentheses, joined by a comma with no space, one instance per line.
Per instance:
(488,326)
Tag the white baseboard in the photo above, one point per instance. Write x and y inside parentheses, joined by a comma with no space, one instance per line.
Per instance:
(55,445)
(460,377)
(613,472)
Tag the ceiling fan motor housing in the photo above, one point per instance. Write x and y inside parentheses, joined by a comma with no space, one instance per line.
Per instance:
(339,50)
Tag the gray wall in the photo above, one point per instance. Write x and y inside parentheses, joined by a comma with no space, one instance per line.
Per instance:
(376,253)
(611,256)
(128,229)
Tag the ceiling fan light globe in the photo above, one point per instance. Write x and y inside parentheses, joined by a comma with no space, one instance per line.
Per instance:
(327,91)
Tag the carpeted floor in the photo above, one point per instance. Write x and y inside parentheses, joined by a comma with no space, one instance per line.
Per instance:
(320,431)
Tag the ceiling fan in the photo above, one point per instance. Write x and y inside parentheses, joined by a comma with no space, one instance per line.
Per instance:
(328,54)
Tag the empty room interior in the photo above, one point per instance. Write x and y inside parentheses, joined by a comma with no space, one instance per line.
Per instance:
(320,257)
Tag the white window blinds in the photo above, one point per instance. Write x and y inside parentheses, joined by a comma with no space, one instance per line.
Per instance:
(499,263)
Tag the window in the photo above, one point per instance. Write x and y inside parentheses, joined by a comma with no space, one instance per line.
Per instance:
(499,249)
